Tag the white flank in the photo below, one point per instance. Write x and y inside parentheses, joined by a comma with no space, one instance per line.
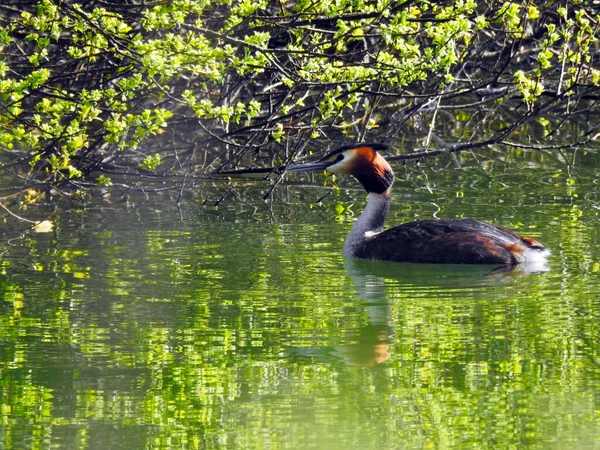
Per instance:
(534,261)
(535,256)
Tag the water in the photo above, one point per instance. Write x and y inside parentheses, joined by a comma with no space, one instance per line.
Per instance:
(135,324)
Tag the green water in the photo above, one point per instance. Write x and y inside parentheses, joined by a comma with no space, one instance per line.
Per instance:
(137,324)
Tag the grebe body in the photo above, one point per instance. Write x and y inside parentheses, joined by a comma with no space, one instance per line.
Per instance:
(450,241)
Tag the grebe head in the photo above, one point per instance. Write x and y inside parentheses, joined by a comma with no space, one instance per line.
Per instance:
(359,160)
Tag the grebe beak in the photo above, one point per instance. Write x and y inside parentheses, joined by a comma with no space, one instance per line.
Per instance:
(310,167)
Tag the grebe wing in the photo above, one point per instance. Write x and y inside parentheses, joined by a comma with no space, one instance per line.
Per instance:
(454,241)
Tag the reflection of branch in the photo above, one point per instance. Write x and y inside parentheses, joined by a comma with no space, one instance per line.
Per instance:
(456,148)
(16,216)
(218,202)
(301,146)
(551,147)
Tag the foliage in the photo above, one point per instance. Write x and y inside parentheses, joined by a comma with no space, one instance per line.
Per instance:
(84,84)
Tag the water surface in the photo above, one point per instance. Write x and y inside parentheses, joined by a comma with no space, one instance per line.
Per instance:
(137,324)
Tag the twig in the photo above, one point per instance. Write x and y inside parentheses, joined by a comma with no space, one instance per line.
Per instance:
(326,194)
(17,216)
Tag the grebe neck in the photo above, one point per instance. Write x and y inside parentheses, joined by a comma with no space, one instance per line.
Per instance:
(369,223)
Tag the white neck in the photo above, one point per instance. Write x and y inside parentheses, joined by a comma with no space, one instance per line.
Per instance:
(369,223)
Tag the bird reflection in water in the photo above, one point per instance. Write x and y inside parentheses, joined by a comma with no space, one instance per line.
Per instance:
(372,344)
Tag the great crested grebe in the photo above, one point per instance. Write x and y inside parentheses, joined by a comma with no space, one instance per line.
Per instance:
(449,241)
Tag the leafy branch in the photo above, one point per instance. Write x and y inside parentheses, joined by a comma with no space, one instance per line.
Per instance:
(87,85)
